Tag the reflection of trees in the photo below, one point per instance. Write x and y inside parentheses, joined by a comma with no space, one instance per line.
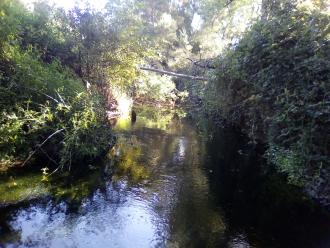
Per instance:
(74,189)
(195,221)
(167,156)
(192,218)
(258,204)
(127,153)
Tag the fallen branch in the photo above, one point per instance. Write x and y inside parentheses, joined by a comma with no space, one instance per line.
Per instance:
(46,154)
(60,166)
(40,145)
(174,74)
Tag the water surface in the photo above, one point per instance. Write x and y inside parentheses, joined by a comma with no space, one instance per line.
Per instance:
(164,185)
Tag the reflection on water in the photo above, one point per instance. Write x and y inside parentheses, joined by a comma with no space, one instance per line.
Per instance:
(164,186)
(152,193)
(260,208)
(103,220)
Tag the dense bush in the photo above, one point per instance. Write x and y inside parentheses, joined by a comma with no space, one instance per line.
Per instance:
(46,112)
(275,84)
(40,99)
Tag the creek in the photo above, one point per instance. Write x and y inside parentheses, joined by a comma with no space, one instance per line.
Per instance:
(164,184)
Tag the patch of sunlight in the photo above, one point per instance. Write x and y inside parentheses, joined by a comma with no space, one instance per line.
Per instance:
(123,123)
(166,20)
(151,117)
(311,5)
(225,31)
(124,106)
(125,102)
(197,22)
(159,118)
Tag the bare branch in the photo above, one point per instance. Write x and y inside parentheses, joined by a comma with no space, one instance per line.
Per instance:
(62,101)
(40,145)
(174,74)
(46,154)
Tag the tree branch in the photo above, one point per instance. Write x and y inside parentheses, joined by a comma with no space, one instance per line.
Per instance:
(174,74)
(40,145)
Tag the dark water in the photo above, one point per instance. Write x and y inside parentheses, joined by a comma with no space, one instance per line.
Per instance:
(166,186)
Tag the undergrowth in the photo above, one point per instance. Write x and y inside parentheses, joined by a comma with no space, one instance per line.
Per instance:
(275,85)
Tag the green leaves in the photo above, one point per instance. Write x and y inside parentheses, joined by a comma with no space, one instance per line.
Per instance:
(284,60)
(39,95)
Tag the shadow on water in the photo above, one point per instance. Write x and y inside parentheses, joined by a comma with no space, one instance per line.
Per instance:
(163,185)
(261,209)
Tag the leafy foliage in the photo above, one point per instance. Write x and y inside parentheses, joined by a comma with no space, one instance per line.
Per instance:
(275,84)
(40,93)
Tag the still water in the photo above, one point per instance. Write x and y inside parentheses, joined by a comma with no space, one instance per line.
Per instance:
(164,185)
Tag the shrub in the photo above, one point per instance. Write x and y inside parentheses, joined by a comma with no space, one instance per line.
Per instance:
(275,84)
(39,99)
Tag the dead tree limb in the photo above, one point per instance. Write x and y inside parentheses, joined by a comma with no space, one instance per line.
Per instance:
(40,145)
(174,74)
(49,157)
